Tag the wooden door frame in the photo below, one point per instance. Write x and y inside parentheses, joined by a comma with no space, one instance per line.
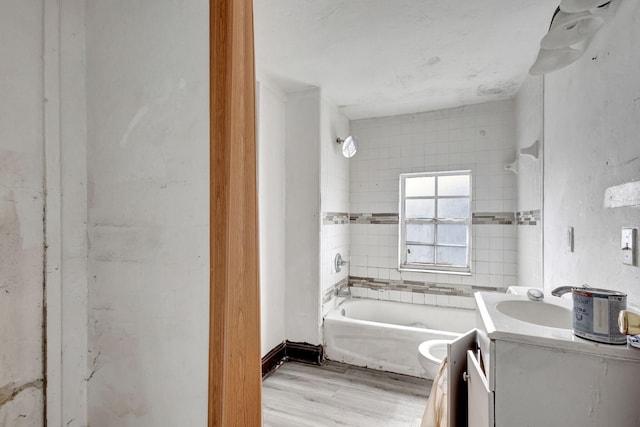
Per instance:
(234,328)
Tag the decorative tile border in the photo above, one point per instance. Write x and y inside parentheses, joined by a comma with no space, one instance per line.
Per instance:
(419,287)
(333,290)
(373,218)
(479,218)
(493,218)
(528,217)
(335,218)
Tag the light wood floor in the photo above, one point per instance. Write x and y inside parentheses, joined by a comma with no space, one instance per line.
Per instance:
(335,394)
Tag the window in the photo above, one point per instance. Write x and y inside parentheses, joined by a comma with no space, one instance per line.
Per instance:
(435,221)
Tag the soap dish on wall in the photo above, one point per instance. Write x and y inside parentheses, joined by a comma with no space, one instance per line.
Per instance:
(512,167)
(532,151)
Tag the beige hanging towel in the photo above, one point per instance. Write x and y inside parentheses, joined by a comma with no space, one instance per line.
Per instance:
(435,414)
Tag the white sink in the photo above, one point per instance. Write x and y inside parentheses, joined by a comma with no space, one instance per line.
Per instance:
(547,323)
(537,312)
(505,315)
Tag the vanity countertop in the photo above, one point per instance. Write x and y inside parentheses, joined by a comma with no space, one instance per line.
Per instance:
(499,326)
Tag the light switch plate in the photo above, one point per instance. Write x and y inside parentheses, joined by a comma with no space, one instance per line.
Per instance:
(628,245)
(570,240)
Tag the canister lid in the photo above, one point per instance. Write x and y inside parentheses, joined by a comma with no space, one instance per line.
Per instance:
(598,291)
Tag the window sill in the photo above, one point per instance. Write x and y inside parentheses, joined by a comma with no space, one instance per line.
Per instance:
(423,270)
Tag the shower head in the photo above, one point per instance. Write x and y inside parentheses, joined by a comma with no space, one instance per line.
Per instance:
(349,146)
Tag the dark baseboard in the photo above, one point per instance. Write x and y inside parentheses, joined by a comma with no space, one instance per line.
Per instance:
(291,351)
(304,352)
(273,359)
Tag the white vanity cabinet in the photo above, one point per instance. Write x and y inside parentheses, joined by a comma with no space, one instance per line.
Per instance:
(480,403)
(508,381)
(551,386)
(470,399)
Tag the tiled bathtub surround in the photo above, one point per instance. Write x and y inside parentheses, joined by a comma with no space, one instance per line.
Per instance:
(416,292)
(374,253)
(333,290)
(480,138)
(528,217)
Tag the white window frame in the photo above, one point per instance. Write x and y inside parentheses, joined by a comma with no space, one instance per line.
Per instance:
(402,246)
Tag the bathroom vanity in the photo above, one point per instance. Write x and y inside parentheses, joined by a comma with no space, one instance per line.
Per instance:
(516,370)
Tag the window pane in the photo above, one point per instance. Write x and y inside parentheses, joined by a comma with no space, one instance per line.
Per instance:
(420,254)
(420,186)
(420,209)
(452,256)
(454,185)
(420,233)
(453,208)
(452,234)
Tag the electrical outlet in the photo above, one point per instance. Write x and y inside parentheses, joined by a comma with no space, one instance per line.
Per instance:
(628,245)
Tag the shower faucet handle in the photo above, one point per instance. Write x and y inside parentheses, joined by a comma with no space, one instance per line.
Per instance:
(338,262)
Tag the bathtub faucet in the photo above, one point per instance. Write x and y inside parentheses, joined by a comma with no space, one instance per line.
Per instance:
(344,292)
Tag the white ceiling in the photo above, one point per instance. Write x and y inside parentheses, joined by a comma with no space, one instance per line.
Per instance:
(386,57)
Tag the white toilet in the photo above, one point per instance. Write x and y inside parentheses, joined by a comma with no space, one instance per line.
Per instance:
(430,355)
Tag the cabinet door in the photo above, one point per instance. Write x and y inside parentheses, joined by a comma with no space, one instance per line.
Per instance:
(480,398)
(456,386)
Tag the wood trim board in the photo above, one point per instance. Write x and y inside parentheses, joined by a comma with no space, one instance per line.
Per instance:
(234,325)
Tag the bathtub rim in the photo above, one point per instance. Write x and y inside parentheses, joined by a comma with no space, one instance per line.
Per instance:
(335,315)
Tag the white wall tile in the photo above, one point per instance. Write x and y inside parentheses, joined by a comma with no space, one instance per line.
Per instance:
(442,300)
(406,296)
(417,298)
(383,294)
(395,295)
(480,137)
(456,301)
(430,299)
(360,292)
(468,302)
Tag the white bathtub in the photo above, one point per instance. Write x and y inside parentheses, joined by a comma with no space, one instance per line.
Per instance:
(385,335)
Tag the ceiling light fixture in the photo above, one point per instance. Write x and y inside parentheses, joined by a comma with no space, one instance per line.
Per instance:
(573,6)
(549,60)
(570,28)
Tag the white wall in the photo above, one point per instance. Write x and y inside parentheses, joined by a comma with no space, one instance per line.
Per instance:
(300,181)
(302,216)
(479,137)
(67,325)
(529,113)
(592,111)
(148,200)
(271,198)
(21,210)
(334,191)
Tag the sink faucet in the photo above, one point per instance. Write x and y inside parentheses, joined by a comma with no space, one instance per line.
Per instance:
(561,290)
